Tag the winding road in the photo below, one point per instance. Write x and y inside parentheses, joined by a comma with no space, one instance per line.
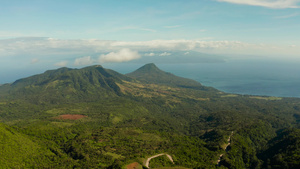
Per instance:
(171,159)
(221,155)
(148,159)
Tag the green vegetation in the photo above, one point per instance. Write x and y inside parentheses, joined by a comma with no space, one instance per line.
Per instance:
(160,161)
(122,120)
(19,151)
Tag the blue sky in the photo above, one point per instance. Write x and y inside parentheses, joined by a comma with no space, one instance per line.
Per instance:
(53,33)
(141,20)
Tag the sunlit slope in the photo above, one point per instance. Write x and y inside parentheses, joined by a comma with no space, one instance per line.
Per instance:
(18,151)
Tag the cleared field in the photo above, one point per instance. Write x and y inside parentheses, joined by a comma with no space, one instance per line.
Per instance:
(71,116)
(265,98)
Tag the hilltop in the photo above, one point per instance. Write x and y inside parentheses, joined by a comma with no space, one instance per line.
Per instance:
(150,73)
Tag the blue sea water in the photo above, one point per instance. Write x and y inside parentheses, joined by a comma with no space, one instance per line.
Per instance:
(252,77)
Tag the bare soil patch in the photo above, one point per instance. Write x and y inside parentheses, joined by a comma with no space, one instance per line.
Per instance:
(134,165)
(70,116)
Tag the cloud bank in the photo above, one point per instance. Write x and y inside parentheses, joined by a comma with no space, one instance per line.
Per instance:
(124,55)
(275,4)
(149,54)
(85,52)
(61,64)
(49,46)
(86,60)
(165,54)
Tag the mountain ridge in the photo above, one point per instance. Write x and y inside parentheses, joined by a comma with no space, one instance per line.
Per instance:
(90,83)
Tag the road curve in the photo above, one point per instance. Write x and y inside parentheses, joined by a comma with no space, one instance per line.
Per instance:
(221,155)
(148,159)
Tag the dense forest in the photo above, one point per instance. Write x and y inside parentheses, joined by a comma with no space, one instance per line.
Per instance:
(98,118)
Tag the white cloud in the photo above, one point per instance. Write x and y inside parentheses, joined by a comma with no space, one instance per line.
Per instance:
(56,48)
(61,64)
(39,47)
(165,54)
(176,44)
(186,53)
(123,55)
(47,46)
(149,54)
(35,60)
(86,60)
(276,4)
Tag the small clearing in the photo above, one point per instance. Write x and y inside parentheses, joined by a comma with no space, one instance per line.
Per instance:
(70,117)
(134,165)
(265,98)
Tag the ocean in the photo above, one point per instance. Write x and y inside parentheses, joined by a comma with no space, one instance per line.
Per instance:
(251,77)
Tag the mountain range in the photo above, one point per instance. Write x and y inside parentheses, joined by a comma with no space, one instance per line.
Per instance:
(98,118)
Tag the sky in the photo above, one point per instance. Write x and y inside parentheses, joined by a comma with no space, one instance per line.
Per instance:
(37,35)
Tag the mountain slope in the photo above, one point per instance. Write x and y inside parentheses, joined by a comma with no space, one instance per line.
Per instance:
(92,83)
(150,73)
(68,85)
(18,151)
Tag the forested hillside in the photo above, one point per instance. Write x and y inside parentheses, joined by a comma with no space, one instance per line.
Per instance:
(98,118)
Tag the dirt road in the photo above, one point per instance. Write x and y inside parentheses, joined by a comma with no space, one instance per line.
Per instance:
(148,159)
(221,155)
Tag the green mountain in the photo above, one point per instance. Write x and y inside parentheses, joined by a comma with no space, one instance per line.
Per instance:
(68,85)
(150,73)
(98,118)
